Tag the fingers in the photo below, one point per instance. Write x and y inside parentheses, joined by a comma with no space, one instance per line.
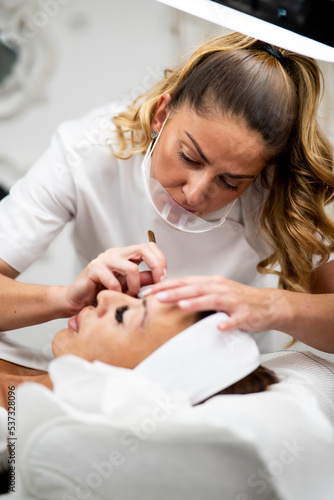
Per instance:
(116,273)
(100,273)
(188,296)
(117,268)
(235,322)
(195,293)
(178,289)
(247,307)
(146,278)
(207,302)
(214,302)
(155,261)
(179,282)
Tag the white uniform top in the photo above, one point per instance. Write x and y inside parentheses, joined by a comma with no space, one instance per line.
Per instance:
(78,178)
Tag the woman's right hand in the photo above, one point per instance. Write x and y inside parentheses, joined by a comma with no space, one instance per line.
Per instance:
(248,308)
(116,269)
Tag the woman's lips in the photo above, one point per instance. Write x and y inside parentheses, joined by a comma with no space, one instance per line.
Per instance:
(185,208)
(73,323)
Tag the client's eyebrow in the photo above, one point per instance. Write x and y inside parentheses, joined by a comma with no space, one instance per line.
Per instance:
(145,313)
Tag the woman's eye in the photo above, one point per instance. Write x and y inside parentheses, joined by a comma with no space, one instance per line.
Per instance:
(222,180)
(187,159)
(119,313)
(227,185)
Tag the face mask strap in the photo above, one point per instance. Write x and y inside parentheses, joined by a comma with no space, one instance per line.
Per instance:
(153,143)
(225,215)
(155,140)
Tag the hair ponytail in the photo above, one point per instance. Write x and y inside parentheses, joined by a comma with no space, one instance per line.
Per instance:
(294,217)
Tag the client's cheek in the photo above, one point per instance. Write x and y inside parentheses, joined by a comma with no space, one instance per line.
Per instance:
(57,345)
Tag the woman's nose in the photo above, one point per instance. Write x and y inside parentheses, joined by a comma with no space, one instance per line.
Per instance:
(105,298)
(196,189)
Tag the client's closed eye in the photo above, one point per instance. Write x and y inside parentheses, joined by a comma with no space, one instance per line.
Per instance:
(119,313)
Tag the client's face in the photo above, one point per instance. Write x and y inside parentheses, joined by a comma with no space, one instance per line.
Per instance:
(121,330)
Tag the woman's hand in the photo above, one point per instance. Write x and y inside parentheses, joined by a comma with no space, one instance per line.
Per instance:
(116,269)
(248,308)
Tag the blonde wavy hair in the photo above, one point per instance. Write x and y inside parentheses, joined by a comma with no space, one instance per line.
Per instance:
(278,98)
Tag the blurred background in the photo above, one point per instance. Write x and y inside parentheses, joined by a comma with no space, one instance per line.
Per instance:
(75,55)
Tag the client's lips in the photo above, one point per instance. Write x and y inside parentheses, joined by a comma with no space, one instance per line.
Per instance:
(73,323)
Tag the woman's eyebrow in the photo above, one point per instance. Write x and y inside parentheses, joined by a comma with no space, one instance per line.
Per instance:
(197,146)
(200,152)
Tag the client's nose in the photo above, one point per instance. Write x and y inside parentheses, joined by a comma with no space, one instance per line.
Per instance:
(110,297)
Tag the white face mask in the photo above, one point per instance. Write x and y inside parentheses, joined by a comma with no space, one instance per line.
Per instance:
(170,211)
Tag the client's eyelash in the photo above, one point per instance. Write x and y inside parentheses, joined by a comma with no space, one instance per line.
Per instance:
(119,313)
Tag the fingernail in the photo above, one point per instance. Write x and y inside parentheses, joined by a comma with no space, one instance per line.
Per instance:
(184,304)
(147,291)
(164,275)
(162,296)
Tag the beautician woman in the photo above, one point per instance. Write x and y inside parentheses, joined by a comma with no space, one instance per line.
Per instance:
(234,183)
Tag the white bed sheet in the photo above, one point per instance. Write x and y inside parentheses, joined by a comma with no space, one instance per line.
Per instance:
(109,433)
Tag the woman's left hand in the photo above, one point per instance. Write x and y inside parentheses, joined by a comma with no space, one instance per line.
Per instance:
(251,309)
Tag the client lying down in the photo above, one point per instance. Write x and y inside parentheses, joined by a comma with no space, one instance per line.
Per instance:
(122,331)
(125,419)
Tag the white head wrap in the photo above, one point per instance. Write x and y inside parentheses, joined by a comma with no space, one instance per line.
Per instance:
(202,360)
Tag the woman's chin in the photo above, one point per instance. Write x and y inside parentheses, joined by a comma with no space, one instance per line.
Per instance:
(60,342)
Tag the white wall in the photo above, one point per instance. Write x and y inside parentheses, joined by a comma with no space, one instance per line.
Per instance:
(99,50)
